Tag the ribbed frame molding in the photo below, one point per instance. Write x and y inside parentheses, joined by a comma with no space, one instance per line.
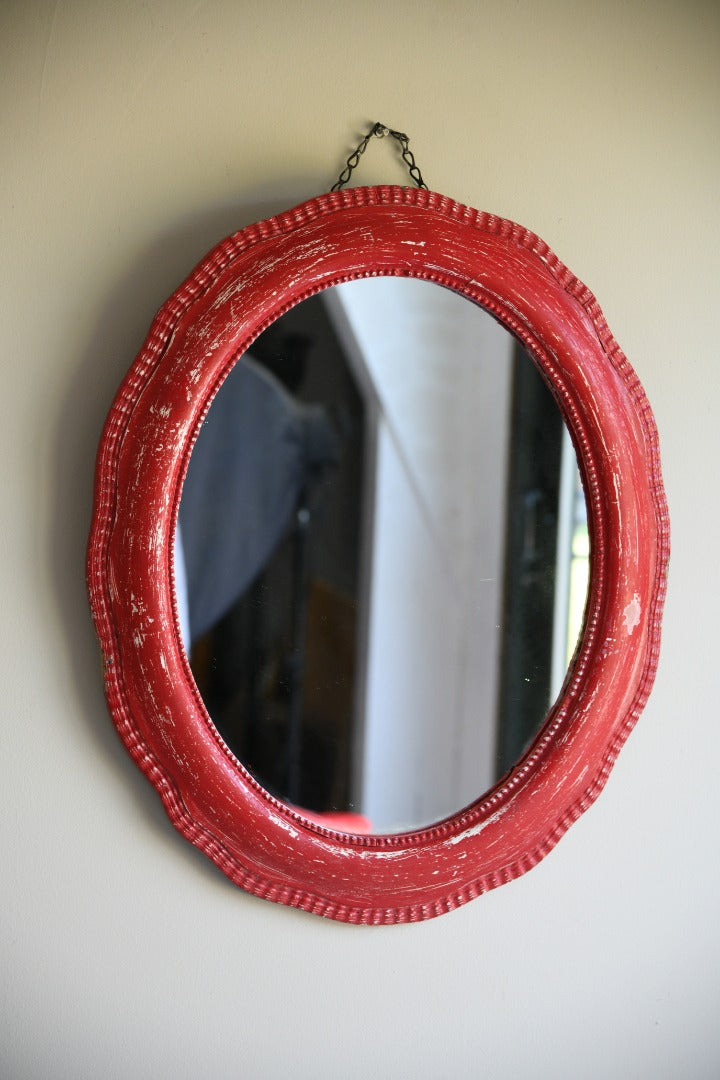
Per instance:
(238,289)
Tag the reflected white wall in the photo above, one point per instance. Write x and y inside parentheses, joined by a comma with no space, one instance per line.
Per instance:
(440,373)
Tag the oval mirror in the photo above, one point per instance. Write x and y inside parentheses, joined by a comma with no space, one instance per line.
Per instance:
(339,589)
(388,629)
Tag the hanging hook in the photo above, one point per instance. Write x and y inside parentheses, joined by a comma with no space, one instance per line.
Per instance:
(380,131)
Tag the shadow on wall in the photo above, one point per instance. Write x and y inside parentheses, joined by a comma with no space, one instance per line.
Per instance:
(120,329)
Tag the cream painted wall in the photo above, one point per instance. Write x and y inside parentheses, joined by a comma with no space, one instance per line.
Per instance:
(135,135)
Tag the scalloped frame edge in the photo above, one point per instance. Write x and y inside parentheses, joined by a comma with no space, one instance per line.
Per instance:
(385,208)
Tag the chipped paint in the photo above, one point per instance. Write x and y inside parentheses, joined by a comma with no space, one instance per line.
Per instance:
(475,830)
(631,614)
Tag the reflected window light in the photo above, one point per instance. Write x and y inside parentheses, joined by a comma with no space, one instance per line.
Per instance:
(579,571)
(572,568)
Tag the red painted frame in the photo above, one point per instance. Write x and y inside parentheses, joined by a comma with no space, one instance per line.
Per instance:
(242,286)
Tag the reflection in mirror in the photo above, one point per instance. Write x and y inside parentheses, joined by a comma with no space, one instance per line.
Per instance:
(382,555)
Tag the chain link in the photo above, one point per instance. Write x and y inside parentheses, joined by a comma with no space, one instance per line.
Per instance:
(379,131)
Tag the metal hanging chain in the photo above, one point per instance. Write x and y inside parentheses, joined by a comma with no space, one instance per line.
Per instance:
(379,131)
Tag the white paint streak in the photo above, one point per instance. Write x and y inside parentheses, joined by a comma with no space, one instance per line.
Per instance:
(632,613)
(477,829)
(289,829)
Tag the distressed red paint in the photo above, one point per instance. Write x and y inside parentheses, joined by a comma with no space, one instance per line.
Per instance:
(244,284)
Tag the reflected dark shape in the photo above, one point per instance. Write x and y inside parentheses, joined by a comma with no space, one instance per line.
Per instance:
(241,489)
(536,436)
(332,697)
(281,474)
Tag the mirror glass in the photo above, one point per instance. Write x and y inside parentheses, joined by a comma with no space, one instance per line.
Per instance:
(382,555)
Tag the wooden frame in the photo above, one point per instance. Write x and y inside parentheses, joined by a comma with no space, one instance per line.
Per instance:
(243,285)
